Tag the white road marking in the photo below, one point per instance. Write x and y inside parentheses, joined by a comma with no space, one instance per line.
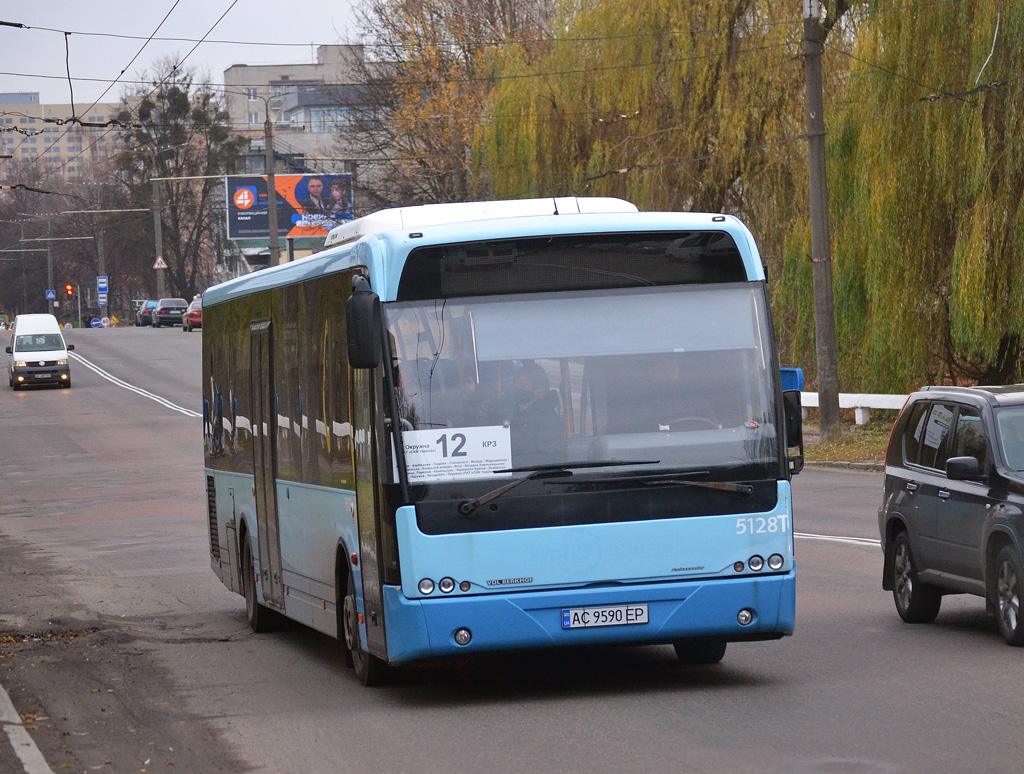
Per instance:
(23,744)
(857,541)
(132,388)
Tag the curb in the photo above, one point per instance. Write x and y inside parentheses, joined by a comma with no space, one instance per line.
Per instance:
(876,467)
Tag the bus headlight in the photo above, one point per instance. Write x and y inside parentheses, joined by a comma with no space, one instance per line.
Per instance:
(463,636)
(755,563)
(447,585)
(744,617)
(775,562)
(426,586)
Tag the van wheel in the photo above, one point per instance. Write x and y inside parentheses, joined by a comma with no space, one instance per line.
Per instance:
(261,618)
(916,602)
(370,670)
(699,652)
(1009,579)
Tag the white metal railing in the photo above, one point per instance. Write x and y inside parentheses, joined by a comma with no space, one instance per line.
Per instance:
(861,403)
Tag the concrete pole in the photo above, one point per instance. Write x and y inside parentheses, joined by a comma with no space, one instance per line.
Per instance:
(268,142)
(49,259)
(158,237)
(821,251)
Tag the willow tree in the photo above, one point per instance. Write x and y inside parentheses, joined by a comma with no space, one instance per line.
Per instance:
(926,163)
(676,106)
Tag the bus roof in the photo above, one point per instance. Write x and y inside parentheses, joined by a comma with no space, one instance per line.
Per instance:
(382,240)
(462,212)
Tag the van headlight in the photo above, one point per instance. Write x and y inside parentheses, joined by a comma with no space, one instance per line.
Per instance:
(19,363)
(62,362)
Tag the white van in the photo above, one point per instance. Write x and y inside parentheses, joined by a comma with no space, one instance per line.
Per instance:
(37,353)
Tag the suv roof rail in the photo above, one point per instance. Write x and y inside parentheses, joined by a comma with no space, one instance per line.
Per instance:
(989,392)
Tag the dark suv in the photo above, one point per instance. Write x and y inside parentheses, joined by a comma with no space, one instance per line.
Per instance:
(952,515)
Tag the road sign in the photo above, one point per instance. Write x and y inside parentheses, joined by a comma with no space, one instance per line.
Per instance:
(105,322)
(95,322)
(67,326)
(101,285)
(51,295)
(101,298)
(160,263)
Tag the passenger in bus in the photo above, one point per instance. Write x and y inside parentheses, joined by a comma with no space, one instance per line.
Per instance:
(536,427)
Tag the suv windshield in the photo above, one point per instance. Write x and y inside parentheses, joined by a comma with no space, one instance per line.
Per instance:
(677,376)
(39,342)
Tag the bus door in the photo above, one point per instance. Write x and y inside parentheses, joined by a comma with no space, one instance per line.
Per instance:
(368,507)
(264,421)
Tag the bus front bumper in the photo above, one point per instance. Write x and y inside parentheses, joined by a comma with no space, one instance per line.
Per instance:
(425,628)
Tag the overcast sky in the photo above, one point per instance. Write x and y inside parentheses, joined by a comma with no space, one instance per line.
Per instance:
(40,52)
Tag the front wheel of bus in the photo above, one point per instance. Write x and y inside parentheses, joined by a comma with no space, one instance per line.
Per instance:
(261,619)
(370,670)
(698,652)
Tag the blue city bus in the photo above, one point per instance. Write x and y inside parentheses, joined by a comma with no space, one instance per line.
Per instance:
(505,425)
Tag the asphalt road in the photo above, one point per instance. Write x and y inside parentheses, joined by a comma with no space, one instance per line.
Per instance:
(122,652)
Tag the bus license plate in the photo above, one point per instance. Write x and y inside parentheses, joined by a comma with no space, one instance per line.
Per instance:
(614,615)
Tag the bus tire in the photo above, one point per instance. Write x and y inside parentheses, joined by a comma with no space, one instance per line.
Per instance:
(370,670)
(261,618)
(699,652)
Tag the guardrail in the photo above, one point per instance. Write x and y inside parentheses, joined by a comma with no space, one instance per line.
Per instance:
(861,403)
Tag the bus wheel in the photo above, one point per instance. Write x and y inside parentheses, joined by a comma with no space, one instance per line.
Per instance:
(697,652)
(370,670)
(261,619)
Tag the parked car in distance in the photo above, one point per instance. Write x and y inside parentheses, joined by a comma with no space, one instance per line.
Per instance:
(193,317)
(952,515)
(168,311)
(144,314)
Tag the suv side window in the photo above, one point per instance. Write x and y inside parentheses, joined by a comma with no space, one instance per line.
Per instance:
(969,438)
(935,441)
(914,432)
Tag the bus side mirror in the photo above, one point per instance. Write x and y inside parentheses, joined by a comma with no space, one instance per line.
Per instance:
(364,325)
(794,429)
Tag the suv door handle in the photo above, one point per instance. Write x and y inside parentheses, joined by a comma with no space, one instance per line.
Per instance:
(911,486)
(944,494)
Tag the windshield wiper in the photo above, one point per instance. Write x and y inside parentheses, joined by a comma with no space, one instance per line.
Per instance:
(676,477)
(467,507)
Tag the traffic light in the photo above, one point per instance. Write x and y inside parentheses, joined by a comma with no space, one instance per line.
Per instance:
(70,289)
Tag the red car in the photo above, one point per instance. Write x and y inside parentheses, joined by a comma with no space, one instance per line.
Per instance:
(193,316)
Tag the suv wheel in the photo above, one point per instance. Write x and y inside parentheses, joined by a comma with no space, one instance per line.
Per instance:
(916,602)
(1008,590)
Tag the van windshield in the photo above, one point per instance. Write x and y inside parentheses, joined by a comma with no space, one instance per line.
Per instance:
(39,342)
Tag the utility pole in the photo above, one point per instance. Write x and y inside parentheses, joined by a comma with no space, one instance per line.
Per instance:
(158,236)
(268,142)
(821,251)
(49,258)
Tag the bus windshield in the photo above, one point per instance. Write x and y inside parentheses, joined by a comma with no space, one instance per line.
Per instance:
(675,377)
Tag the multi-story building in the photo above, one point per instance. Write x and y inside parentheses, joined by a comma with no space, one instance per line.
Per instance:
(30,133)
(309,105)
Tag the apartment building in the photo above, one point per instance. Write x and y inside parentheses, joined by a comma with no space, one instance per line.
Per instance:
(309,105)
(29,132)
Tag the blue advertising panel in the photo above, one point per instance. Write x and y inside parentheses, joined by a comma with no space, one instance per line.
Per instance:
(307,205)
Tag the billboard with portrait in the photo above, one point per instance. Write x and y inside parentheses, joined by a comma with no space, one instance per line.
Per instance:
(307,205)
